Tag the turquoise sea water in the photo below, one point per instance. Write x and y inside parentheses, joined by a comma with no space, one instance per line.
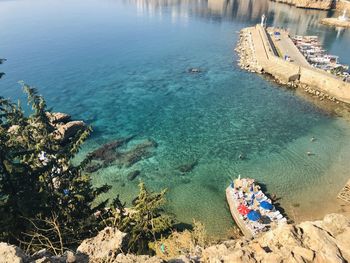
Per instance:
(122,67)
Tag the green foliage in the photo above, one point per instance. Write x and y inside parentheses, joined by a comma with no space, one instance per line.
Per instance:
(199,234)
(181,243)
(145,221)
(38,183)
(46,202)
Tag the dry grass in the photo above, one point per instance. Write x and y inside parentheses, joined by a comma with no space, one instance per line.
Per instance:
(181,243)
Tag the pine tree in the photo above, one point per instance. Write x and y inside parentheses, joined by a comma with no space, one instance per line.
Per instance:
(38,183)
(46,202)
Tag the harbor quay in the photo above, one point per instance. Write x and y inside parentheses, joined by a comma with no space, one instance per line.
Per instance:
(261,52)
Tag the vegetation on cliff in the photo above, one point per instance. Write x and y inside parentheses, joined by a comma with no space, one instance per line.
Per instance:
(45,201)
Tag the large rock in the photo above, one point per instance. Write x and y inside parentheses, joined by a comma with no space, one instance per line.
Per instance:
(58,117)
(309,4)
(107,244)
(11,254)
(314,4)
(320,241)
(335,224)
(68,130)
(323,241)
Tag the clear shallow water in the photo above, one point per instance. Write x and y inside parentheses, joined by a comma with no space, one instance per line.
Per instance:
(122,67)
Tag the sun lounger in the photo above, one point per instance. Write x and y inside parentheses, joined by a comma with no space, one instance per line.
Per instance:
(282,221)
(278,217)
(276,213)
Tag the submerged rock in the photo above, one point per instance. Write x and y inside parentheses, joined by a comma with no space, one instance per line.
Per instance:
(188,167)
(109,154)
(139,152)
(194,70)
(109,149)
(93,167)
(132,175)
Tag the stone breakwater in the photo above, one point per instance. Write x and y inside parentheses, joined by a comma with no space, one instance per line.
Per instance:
(342,5)
(316,4)
(309,4)
(335,22)
(255,55)
(323,241)
(246,53)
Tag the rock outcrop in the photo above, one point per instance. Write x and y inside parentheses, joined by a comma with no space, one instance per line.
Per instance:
(58,117)
(319,241)
(107,244)
(11,254)
(309,4)
(68,130)
(335,22)
(324,241)
(64,128)
(342,5)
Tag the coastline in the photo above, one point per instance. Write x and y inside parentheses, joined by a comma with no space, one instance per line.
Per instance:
(335,22)
(257,57)
(250,60)
(317,5)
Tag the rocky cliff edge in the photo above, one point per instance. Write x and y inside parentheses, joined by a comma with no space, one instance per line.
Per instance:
(325,241)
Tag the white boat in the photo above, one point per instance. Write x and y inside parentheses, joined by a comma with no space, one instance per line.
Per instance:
(319,60)
(251,209)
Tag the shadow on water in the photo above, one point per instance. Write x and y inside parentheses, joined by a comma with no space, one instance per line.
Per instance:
(274,198)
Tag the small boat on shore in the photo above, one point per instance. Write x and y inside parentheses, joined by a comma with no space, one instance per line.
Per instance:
(251,209)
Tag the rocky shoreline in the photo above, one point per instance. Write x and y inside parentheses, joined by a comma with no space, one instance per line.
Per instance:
(327,240)
(245,50)
(309,4)
(335,22)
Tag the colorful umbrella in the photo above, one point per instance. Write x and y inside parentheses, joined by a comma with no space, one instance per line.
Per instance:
(266,205)
(253,215)
(243,210)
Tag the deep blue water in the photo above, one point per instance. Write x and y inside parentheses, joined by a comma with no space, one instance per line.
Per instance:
(122,67)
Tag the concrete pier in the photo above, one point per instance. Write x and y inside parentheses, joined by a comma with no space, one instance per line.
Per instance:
(298,72)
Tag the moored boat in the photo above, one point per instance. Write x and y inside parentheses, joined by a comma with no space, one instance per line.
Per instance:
(251,209)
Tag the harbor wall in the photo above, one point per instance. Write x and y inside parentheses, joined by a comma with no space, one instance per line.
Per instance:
(287,72)
(275,66)
(325,82)
(342,5)
(310,4)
